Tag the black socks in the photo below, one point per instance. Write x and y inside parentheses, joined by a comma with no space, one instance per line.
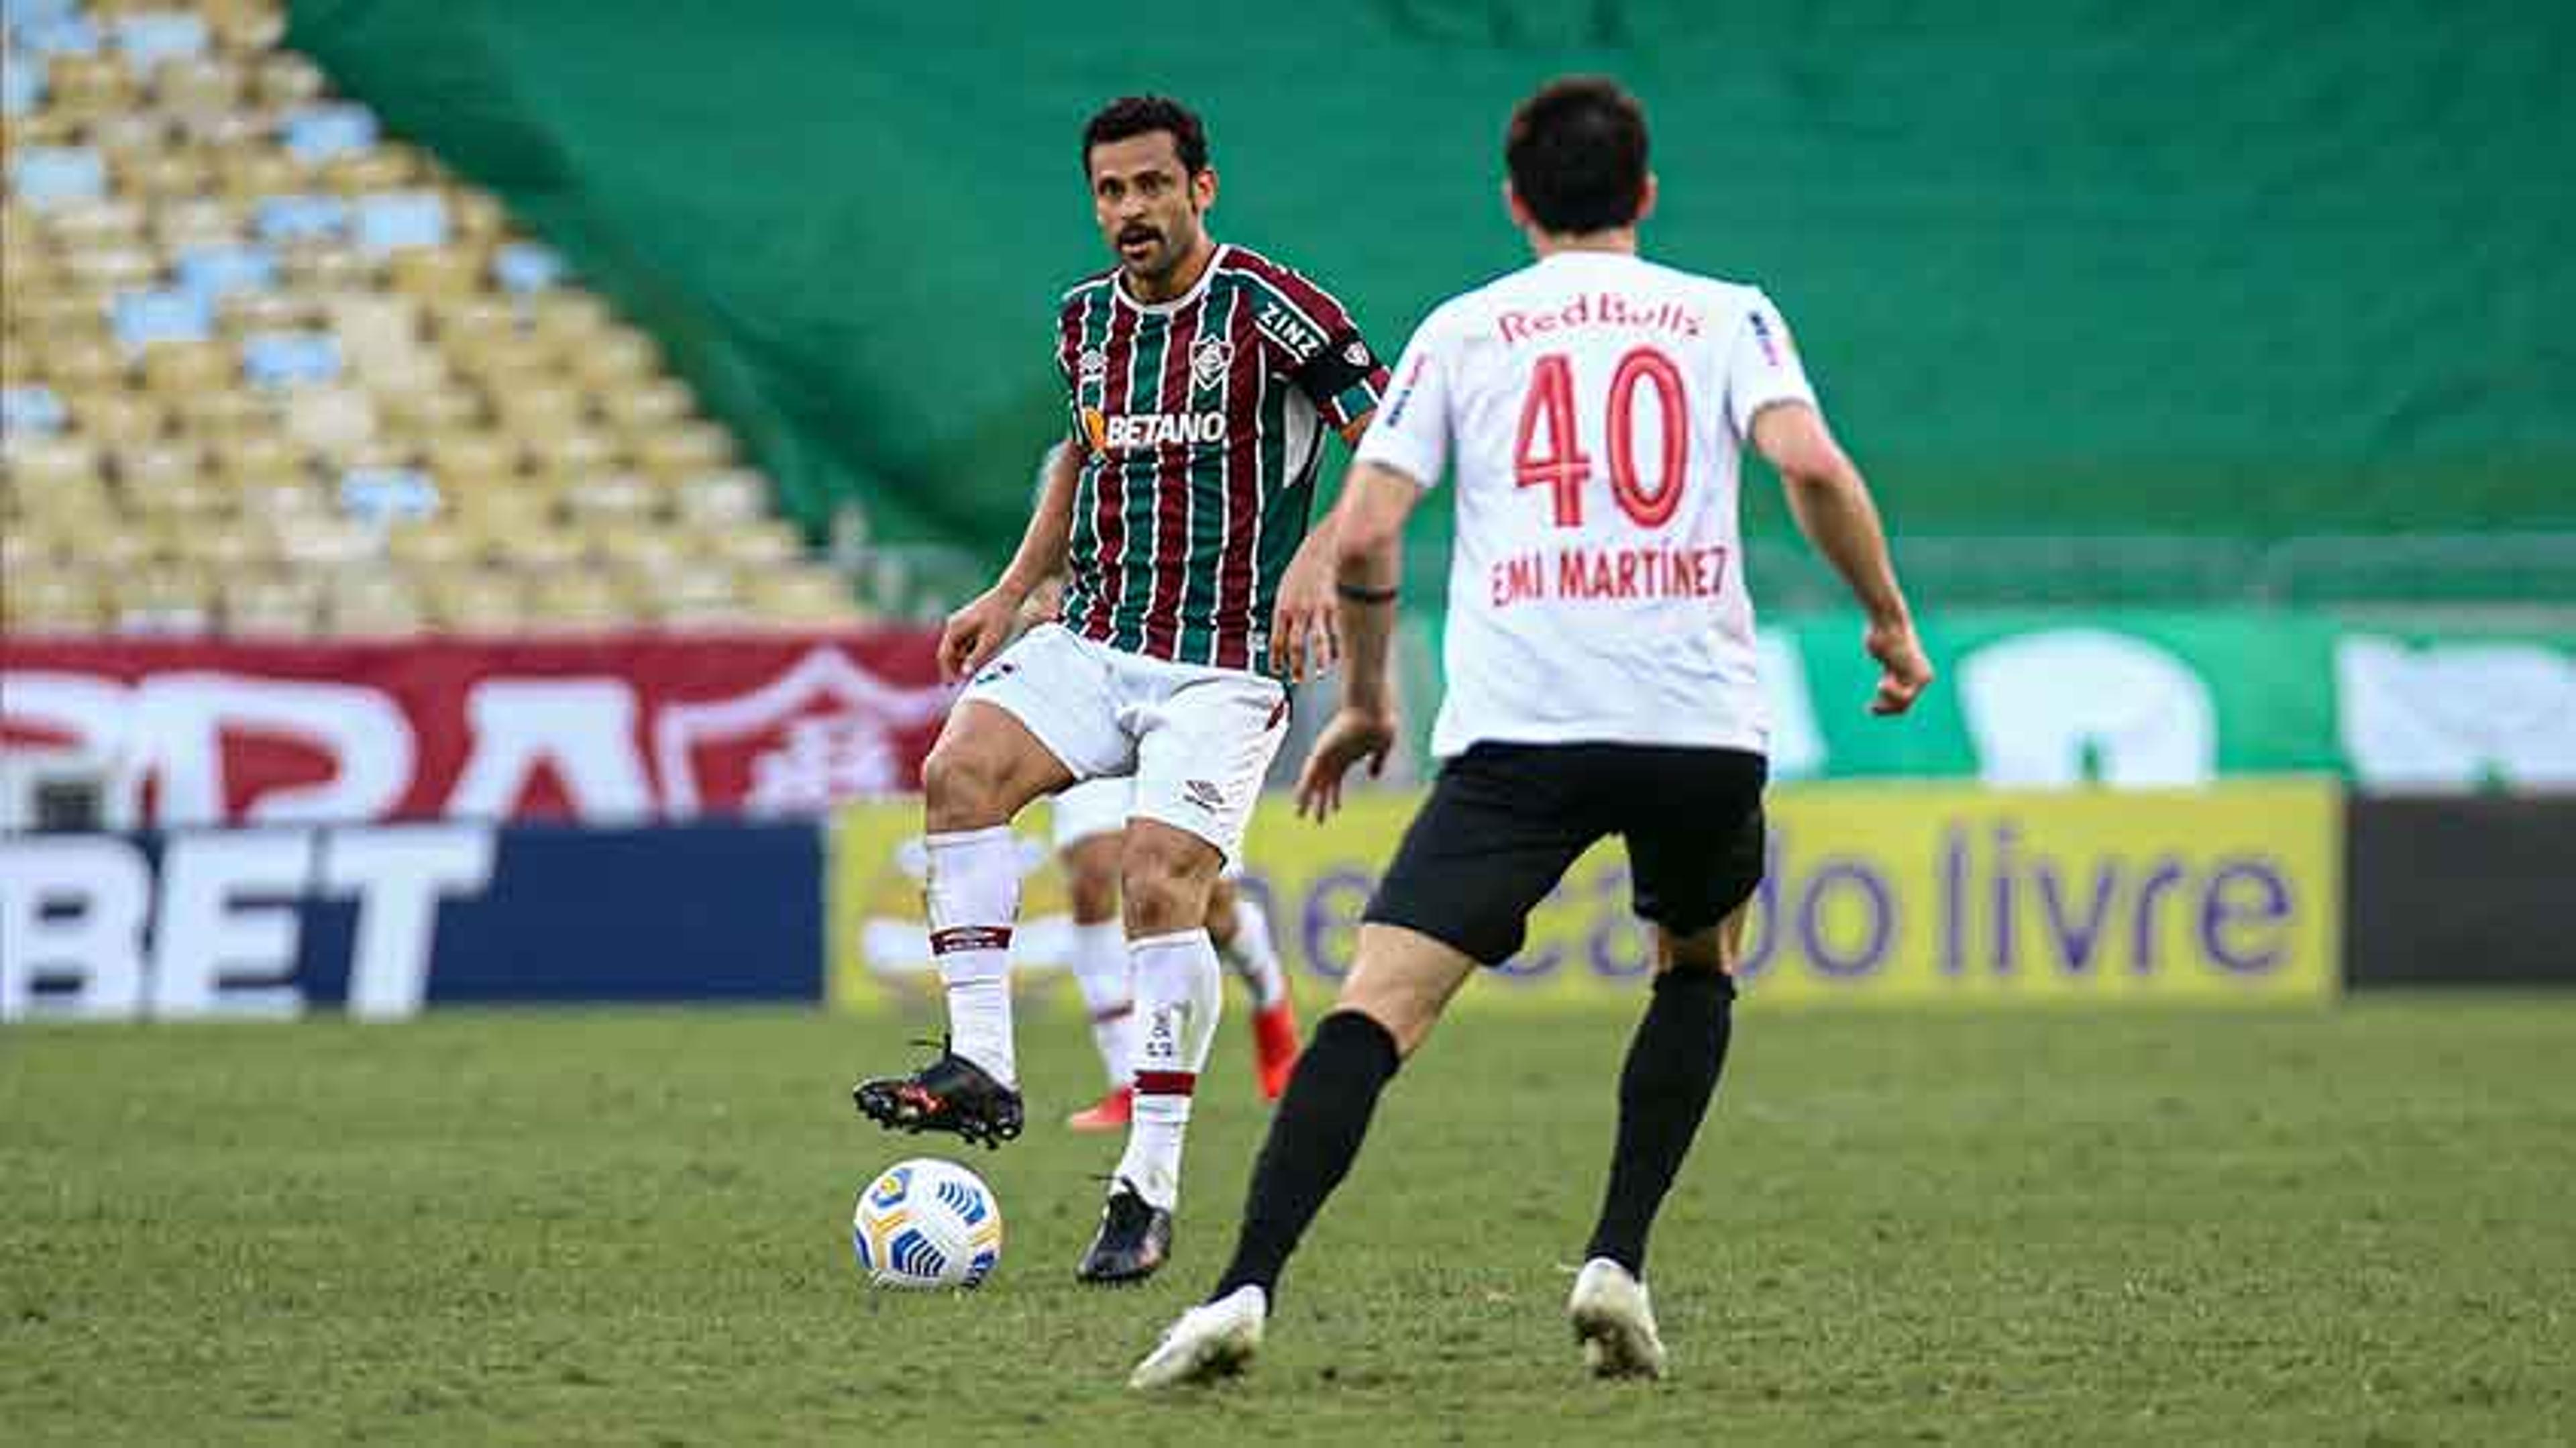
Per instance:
(1322,1117)
(1673,1065)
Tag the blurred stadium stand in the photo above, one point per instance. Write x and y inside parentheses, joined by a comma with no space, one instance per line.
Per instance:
(268,372)
(2209,306)
(2195,305)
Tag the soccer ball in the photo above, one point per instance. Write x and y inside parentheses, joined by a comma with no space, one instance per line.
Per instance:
(927,1223)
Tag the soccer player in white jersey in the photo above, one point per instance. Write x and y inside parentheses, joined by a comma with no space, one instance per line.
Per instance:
(1200,379)
(1601,680)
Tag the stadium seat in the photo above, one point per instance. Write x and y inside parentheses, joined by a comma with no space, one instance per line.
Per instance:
(107,270)
(145,318)
(478,600)
(721,499)
(323,541)
(23,83)
(579,599)
(164,597)
(684,451)
(95,84)
(280,497)
(766,543)
(386,495)
(224,547)
(150,468)
(296,216)
(437,543)
(286,79)
(400,220)
(330,421)
(52,177)
(646,405)
(119,416)
(315,133)
(50,600)
(74,360)
(371,602)
(32,408)
(216,271)
(638,550)
(271,606)
(804,597)
(175,369)
(199,85)
(151,40)
(524,268)
(543,549)
(291,359)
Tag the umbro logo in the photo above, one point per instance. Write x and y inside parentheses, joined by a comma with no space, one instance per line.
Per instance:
(997,672)
(1091,364)
(1203,794)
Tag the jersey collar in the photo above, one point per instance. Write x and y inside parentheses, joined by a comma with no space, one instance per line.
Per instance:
(1198,289)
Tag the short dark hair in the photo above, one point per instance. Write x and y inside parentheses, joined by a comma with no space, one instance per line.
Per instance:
(1142,115)
(1576,152)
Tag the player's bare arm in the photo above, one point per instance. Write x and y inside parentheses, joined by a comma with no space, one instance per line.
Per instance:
(1833,508)
(1367,528)
(978,631)
(1305,628)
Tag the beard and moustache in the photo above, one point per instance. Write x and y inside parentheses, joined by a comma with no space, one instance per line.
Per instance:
(1154,263)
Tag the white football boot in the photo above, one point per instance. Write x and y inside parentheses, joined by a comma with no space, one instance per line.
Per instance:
(1614,1322)
(1210,1341)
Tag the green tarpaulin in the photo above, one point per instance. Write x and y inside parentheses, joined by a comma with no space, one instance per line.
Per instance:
(2230,269)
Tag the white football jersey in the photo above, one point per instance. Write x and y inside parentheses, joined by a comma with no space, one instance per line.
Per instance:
(1597,406)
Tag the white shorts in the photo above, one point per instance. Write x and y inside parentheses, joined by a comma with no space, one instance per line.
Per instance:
(1093,807)
(1099,807)
(1193,741)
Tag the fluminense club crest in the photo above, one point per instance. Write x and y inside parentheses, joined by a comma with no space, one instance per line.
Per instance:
(1209,357)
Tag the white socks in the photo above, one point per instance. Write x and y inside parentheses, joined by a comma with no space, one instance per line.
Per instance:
(1101,971)
(1253,956)
(1178,992)
(974,899)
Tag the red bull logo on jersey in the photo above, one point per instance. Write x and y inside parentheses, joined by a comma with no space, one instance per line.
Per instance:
(1116,431)
(1601,310)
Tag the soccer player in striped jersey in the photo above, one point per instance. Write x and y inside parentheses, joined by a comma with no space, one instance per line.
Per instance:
(1200,380)
(1090,822)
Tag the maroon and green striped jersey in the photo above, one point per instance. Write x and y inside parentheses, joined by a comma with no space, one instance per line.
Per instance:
(1202,424)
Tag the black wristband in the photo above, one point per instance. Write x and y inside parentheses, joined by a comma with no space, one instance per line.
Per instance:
(1356,594)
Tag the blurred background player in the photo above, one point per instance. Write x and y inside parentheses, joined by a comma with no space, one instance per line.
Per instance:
(1090,828)
(1200,379)
(1602,680)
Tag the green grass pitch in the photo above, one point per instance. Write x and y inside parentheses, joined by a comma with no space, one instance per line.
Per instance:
(2059,1226)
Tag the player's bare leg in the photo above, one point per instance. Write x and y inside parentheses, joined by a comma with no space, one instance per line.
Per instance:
(1671,1072)
(985,769)
(1102,973)
(1241,930)
(1400,983)
(1165,879)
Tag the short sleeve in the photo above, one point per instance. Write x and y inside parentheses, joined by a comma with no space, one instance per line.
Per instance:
(1762,366)
(1313,341)
(1411,431)
(1344,379)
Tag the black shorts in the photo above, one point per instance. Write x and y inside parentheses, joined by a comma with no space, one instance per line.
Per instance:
(1505,820)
